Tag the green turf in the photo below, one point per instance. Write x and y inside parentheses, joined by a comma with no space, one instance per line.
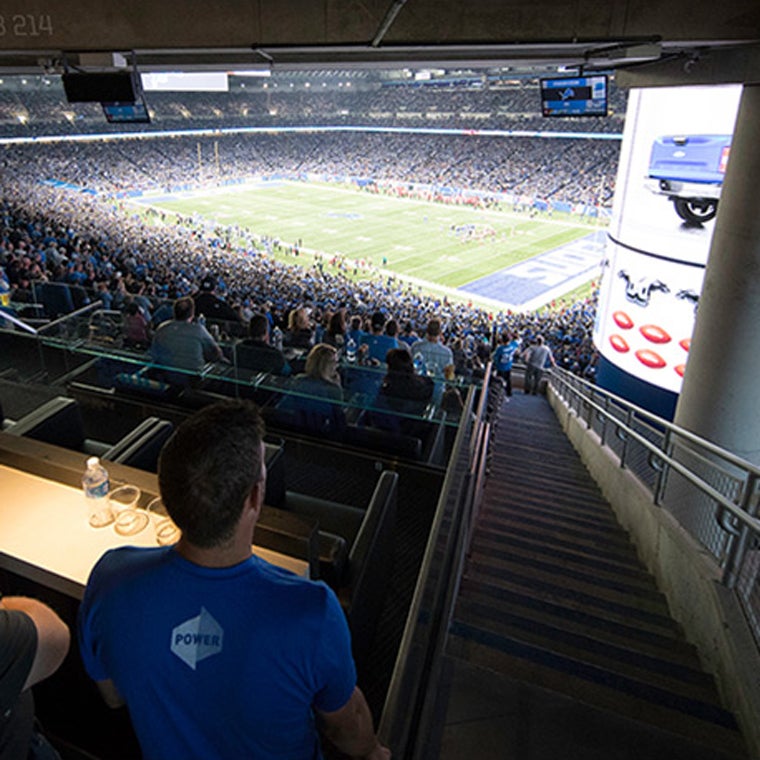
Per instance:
(416,237)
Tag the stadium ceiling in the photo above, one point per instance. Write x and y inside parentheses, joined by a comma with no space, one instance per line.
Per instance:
(648,41)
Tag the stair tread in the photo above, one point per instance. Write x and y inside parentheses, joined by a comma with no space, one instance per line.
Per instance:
(520,546)
(637,605)
(658,644)
(584,576)
(703,722)
(687,680)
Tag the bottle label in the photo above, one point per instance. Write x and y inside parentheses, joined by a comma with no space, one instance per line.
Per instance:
(97,490)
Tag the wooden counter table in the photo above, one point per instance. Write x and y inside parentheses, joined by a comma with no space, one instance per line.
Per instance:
(45,536)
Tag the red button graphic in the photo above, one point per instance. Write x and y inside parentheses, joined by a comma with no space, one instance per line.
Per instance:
(685,344)
(619,344)
(650,359)
(655,334)
(622,320)
(680,369)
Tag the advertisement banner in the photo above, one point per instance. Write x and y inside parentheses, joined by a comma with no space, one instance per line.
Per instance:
(676,145)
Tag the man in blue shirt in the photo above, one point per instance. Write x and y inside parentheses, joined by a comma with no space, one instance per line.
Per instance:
(216,653)
(504,356)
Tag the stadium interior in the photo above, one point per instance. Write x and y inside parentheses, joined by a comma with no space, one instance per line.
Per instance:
(533,576)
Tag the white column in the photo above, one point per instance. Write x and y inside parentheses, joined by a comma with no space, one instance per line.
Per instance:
(720,398)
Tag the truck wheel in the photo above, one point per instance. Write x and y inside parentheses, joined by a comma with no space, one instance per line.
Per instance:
(695,211)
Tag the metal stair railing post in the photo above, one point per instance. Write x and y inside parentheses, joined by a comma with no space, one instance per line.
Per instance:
(662,468)
(739,540)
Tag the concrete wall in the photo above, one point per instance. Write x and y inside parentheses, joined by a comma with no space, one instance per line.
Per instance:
(710,614)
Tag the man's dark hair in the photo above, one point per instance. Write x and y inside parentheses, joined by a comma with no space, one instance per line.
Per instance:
(183,308)
(208,468)
(433,328)
(258,327)
(378,320)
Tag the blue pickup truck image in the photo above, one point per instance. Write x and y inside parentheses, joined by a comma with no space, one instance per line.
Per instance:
(689,170)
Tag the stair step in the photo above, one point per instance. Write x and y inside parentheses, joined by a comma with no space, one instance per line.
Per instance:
(603,591)
(667,644)
(577,574)
(688,681)
(559,535)
(700,721)
(563,596)
(505,530)
(563,514)
(512,545)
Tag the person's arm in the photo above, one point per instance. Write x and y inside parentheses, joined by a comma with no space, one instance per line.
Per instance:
(350,729)
(110,694)
(53,636)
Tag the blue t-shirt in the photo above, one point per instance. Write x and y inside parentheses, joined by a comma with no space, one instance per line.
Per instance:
(216,662)
(504,354)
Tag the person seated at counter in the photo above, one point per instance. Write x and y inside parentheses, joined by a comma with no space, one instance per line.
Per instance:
(182,342)
(33,643)
(256,353)
(215,652)
(317,395)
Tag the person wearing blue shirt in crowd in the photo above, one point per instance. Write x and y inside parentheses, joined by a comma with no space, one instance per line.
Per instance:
(377,342)
(216,653)
(504,356)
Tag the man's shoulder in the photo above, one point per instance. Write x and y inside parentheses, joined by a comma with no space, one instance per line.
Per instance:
(118,565)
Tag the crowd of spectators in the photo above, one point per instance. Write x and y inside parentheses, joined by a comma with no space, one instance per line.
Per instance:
(575,171)
(294,99)
(47,234)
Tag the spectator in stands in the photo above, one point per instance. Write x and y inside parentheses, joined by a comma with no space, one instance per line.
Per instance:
(33,644)
(183,343)
(299,333)
(256,353)
(536,358)
(434,354)
(408,335)
(210,305)
(377,342)
(401,382)
(136,328)
(317,393)
(503,357)
(355,332)
(335,334)
(247,659)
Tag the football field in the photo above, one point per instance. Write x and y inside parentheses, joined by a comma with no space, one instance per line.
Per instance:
(427,242)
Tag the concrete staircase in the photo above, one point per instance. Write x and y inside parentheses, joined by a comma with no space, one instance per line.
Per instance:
(554,596)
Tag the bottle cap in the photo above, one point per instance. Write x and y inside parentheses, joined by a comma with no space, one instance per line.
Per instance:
(93,461)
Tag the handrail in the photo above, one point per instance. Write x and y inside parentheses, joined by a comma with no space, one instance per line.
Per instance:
(713,448)
(90,307)
(398,695)
(730,546)
(681,469)
(18,322)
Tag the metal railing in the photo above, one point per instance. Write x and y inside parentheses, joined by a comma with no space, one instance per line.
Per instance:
(712,493)
(409,711)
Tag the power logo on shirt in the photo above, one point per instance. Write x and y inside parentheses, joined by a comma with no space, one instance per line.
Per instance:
(197,638)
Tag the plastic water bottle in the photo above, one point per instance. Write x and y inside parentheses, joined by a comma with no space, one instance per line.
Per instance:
(351,350)
(277,338)
(96,486)
(419,363)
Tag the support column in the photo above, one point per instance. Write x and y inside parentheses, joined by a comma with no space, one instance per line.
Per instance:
(720,397)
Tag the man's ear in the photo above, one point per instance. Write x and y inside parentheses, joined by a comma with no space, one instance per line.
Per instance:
(256,497)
